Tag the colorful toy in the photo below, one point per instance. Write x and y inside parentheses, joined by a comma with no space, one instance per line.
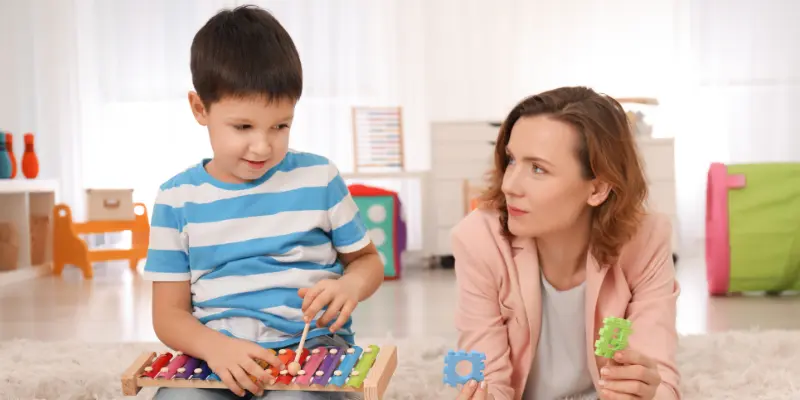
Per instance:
(753,228)
(70,249)
(12,158)
(30,162)
(380,210)
(324,369)
(613,336)
(451,375)
(5,161)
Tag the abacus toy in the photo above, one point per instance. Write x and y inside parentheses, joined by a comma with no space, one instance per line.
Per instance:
(613,337)
(323,369)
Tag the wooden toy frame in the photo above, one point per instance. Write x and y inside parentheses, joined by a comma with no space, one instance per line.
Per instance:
(373,388)
(69,248)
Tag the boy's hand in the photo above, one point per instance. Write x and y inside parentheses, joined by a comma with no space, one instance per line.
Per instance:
(340,297)
(233,359)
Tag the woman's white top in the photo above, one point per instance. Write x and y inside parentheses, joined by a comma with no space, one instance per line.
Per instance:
(560,367)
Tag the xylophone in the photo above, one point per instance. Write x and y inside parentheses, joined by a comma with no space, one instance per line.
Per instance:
(328,369)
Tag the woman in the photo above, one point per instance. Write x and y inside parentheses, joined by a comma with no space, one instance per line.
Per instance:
(561,241)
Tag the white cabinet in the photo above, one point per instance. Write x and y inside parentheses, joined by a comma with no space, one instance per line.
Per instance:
(658,156)
(463,152)
(26,207)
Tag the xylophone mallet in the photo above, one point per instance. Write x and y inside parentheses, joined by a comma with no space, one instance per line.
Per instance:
(294,366)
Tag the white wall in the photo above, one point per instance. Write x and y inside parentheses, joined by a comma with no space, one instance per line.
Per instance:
(37,88)
(725,72)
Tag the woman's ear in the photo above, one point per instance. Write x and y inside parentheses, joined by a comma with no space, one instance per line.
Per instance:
(600,191)
(198,109)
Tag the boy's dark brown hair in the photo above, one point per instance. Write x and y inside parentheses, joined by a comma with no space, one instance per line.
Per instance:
(606,150)
(245,52)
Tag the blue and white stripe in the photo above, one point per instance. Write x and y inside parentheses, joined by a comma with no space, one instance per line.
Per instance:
(247,249)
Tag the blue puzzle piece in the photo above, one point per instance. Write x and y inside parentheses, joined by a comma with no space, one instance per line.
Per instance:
(451,360)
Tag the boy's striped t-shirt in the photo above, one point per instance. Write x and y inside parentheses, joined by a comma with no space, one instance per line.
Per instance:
(247,248)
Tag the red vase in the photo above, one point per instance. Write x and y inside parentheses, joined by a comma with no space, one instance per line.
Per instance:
(9,147)
(30,163)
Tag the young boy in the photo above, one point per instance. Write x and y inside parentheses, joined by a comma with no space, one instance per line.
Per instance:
(247,245)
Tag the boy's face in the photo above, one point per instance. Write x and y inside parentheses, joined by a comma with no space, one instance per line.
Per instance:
(248,135)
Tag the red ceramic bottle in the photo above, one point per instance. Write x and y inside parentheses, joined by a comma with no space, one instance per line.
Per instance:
(30,163)
(10,149)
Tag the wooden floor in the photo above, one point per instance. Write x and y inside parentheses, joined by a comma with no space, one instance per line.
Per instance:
(115,307)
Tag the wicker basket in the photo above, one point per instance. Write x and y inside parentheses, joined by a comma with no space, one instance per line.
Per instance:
(40,237)
(9,247)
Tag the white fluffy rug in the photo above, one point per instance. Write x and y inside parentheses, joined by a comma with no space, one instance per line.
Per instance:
(734,365)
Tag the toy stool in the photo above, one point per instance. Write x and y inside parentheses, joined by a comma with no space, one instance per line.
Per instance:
(753,228)
(381,213)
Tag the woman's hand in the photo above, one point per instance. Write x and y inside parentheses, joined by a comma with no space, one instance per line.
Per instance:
(631,375)
(474,391)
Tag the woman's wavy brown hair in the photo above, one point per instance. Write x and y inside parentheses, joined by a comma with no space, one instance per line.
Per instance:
(607,151)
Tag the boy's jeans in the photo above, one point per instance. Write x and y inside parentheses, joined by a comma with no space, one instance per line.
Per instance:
(223,394)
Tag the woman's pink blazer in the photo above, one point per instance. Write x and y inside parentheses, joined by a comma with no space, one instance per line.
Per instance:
(499,300)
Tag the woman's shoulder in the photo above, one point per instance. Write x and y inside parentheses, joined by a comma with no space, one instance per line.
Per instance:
(478,226)
(652,241)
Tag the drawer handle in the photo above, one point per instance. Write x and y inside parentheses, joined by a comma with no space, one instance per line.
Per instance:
(111,204)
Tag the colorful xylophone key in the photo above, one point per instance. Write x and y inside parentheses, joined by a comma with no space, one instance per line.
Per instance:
(153,369)
(172,368)
(201,373)
(286,356)
(349,360)
(285,377)
(329,364)
(362,368)
(188,368)
(311,366)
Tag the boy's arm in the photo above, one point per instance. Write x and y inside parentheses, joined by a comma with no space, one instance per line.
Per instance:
(363,268)
(174,323)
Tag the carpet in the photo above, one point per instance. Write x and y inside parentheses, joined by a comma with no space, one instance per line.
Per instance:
(733,365)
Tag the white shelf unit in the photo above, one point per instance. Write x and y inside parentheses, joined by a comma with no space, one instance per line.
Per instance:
(658,156)
(462,152)
(21,199)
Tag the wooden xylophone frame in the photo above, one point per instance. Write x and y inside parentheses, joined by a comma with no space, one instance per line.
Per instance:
(373,387)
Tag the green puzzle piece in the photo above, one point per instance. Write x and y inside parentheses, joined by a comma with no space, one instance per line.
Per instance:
(613,336)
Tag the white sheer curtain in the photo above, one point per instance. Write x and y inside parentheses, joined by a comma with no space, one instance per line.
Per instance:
(725,71)
(87,75)
(741,95)
(136,59)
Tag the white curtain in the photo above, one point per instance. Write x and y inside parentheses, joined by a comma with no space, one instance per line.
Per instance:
(90,74)
(740,95)
(136,57)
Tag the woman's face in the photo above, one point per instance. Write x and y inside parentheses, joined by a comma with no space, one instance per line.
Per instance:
(544,186)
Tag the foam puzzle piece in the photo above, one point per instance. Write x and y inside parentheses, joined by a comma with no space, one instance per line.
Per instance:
(613,336)
(451,360)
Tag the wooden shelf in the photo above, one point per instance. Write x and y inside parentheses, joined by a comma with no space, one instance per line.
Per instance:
(8,186)
(20,201)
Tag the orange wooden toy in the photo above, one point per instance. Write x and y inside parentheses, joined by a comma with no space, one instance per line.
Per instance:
(30,162)
(69,248)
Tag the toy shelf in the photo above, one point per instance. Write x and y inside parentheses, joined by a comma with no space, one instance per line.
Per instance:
(22,202)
